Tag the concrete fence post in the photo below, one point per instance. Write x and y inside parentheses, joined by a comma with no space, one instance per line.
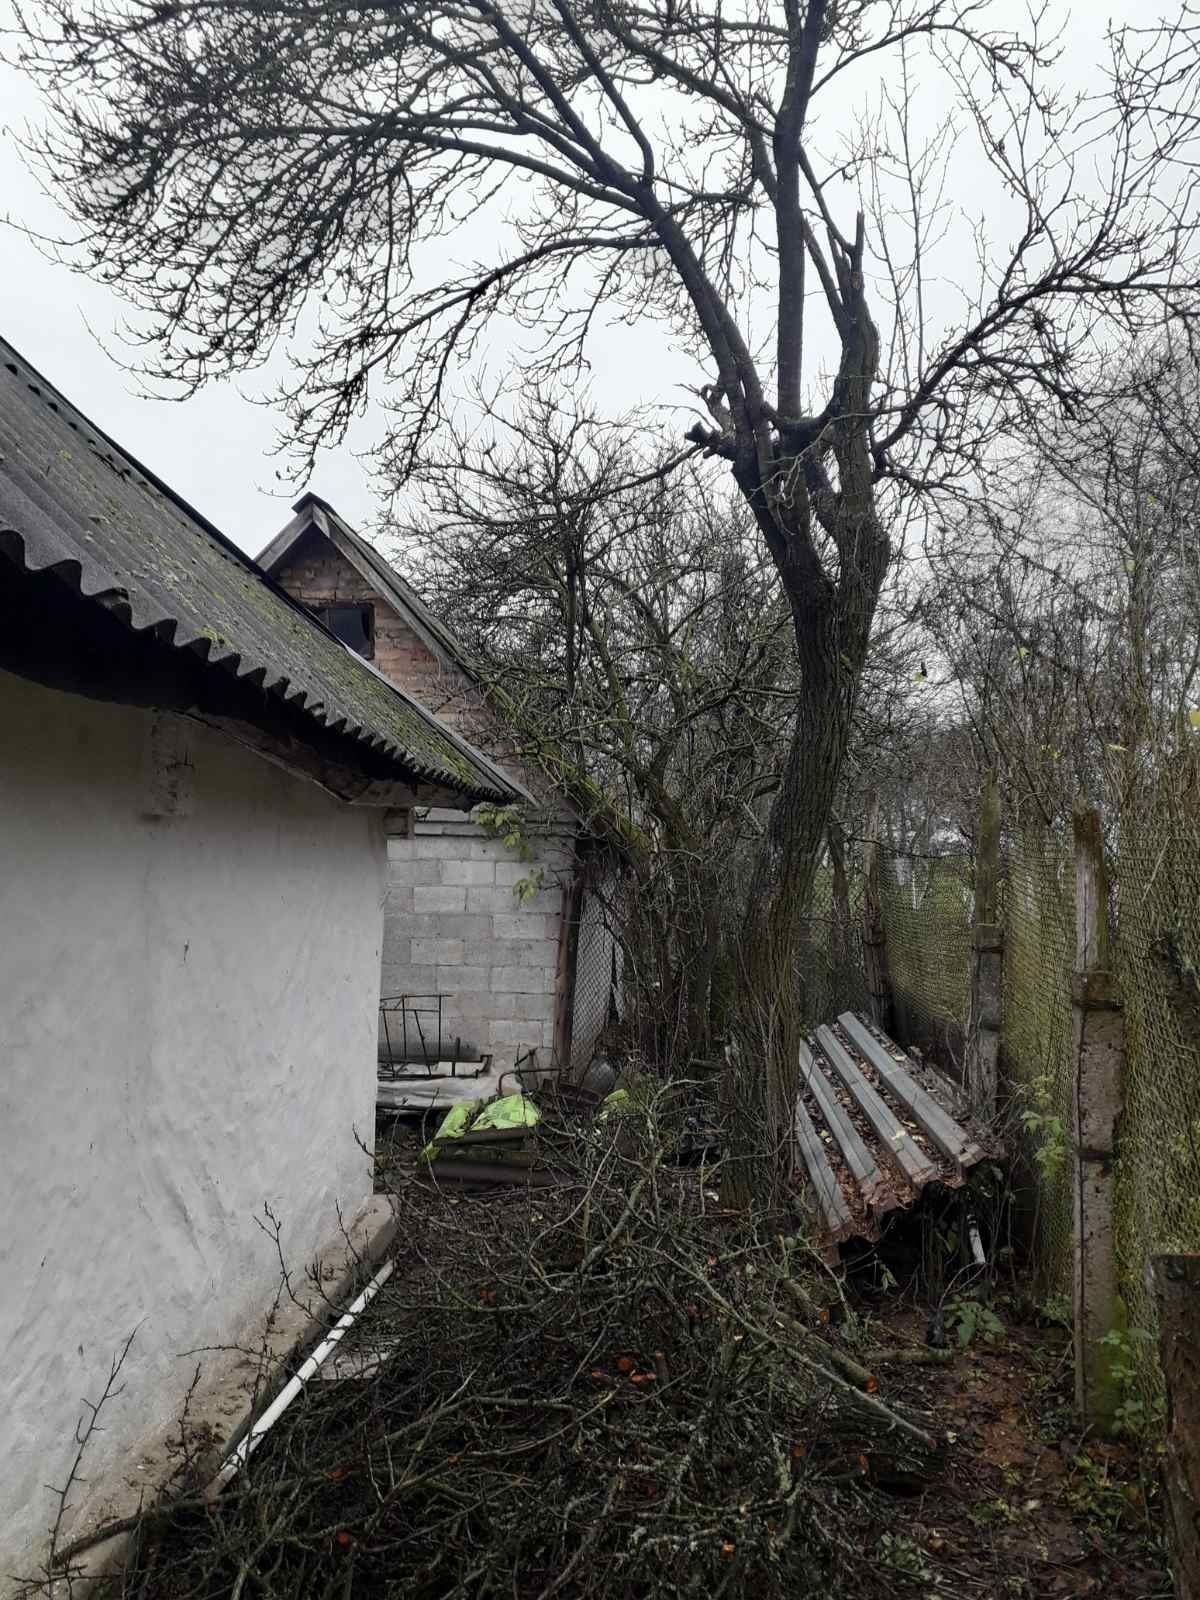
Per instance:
(874,938)
(987,955)
(1099,1055)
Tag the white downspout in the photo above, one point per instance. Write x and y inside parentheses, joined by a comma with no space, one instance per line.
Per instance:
(240,1454)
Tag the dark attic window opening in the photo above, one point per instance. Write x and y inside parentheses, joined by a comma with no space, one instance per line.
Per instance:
(353,625)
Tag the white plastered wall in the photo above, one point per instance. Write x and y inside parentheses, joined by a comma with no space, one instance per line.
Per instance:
(187,1034)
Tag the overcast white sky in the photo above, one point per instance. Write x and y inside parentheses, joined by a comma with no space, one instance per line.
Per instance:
(216,448)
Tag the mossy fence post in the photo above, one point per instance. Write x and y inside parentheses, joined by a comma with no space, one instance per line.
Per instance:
(874,938)
(987,952)
(1099,1055)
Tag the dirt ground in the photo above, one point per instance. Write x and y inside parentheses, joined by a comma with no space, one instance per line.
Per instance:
(1027,1505)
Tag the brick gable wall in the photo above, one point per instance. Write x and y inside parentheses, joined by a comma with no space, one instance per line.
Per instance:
(319,575)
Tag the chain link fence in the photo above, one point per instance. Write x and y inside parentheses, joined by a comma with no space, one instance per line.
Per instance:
(927,909)
(833,971)
(598,981)
(1037,1039)
(927,905)
(1158,963)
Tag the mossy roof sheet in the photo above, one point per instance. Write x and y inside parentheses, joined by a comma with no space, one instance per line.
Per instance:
(73,502)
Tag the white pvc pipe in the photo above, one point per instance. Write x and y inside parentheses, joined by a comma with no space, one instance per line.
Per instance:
(238,1457)
(976,1242)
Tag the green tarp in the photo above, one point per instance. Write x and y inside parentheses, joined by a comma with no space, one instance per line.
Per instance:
(510,1112)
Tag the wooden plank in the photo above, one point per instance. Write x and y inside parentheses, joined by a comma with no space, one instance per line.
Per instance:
(830,1199)
(863,1166)
(952,1140)
(486,1174)
(899,1144)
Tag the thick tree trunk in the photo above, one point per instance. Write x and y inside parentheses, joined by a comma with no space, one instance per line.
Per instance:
(785,871)
(833,629)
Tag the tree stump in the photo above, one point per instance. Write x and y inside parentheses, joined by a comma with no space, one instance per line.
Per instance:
(1177,1290)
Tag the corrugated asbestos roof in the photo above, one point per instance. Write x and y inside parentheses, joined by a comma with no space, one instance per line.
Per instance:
(73,502)
(873,1129)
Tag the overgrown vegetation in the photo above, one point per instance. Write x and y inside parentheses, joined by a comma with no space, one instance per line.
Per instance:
(621,1388)
(617,1388)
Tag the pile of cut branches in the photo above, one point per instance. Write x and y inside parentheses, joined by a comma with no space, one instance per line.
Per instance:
(615,1388)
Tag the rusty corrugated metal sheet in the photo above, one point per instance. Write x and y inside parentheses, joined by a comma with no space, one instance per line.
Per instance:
(72,502)
(873,1129)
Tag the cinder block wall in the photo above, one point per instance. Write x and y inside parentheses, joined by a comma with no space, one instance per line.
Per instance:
(454,926)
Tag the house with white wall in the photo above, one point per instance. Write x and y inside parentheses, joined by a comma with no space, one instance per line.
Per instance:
(197,779)
(513,971)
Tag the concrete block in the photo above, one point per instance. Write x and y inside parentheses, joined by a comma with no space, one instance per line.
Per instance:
(412,871)
(462,1015)
(428,901)
(470,874)
(518,980)
(397,902)
(535,1008)
(510,872)
(521,925)
(397,947)
(428,849)
(533,953)
(525,1007)
(403,978)
(449,925)
(463,980)
(484,951)
(437,952)
(491,899)
(485,849)
(548,901)
(509,1032)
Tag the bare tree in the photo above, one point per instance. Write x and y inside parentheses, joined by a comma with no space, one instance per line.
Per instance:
(630,632)
(243,169)
(1068,611)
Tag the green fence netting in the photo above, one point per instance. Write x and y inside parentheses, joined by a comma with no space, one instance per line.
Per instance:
(927,904)
(1037,1052)
(1158,964)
